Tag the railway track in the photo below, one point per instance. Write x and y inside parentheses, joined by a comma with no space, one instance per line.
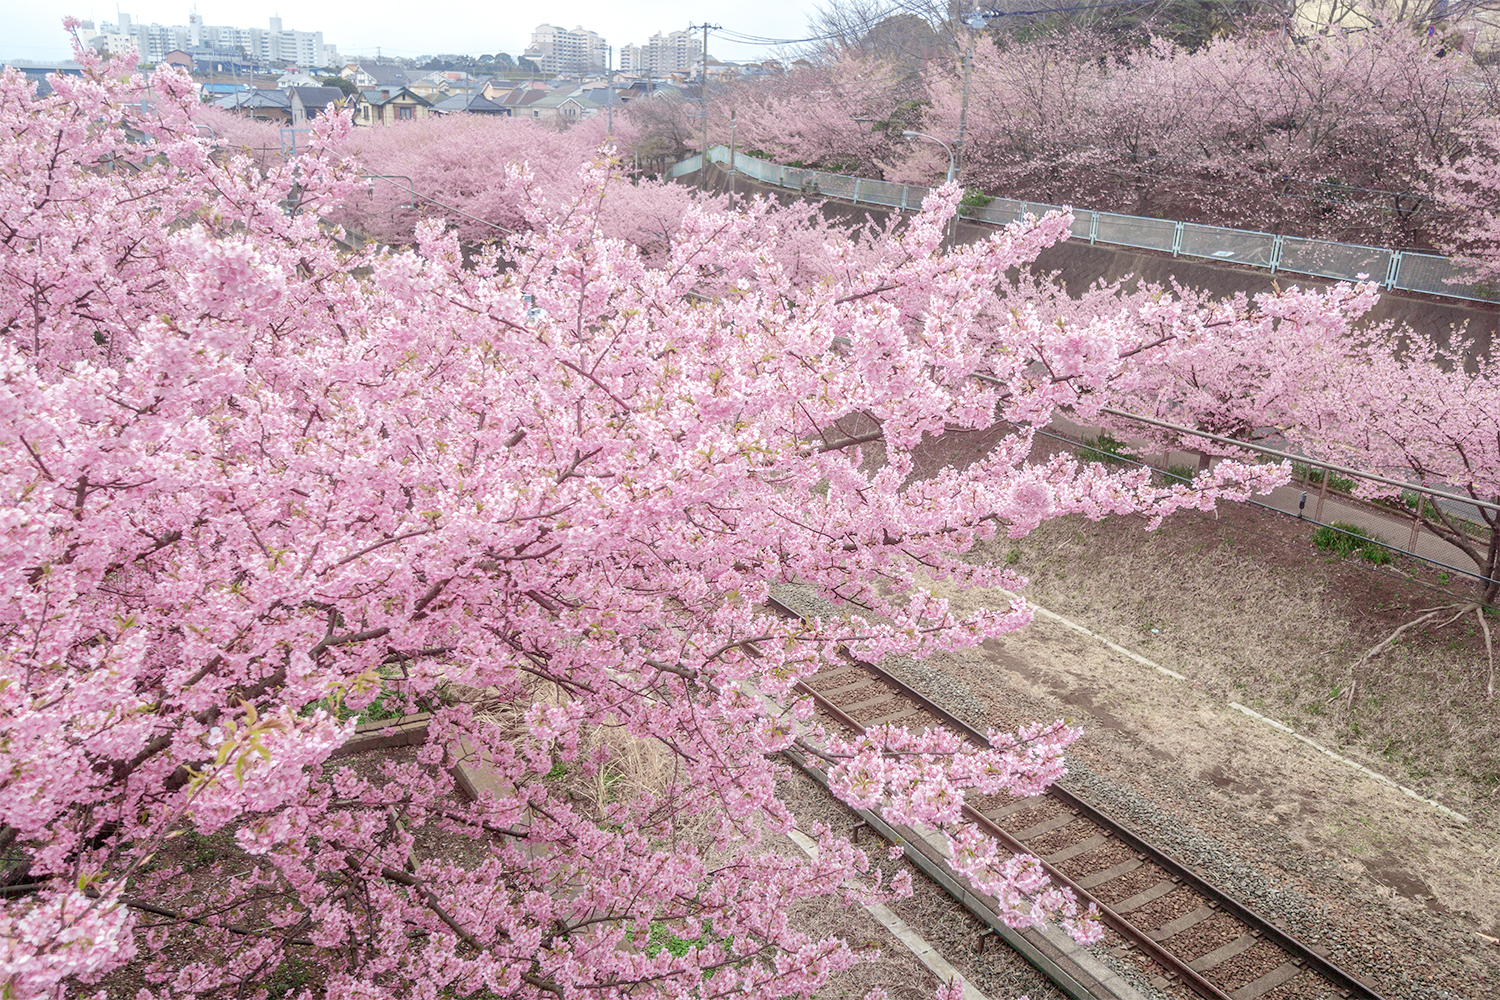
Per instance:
(1185,933)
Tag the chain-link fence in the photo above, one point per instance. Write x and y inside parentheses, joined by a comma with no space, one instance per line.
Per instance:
(1321,493)
(1406,270)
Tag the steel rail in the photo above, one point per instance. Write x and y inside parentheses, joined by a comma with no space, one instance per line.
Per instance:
(1122,926)
(1187,875)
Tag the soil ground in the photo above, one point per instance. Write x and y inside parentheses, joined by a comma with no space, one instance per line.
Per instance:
(1244,605)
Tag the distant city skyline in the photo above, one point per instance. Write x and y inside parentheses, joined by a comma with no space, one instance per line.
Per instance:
(34,31)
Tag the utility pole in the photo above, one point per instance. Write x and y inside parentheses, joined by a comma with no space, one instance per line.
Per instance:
(609,82)
(963,108)
(703,170)
(975,23)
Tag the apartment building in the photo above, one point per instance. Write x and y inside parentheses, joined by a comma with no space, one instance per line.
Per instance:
(560,50)
(273,44)
(674,52)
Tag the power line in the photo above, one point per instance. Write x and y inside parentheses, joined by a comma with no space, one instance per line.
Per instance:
(744,38)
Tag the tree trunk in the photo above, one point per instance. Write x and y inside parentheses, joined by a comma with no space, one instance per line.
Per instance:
(1489,587)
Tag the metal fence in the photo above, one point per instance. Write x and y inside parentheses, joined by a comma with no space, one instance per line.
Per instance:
(1396,269)
(1322,493)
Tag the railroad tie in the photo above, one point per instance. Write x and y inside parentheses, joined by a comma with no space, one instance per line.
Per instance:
(1140,899)
(1046,826)
(1082,847)
(1019,805)
(860,706)
(833,673)
(1181,924)
(849,688)
(886,720)
(1224,953)
(1265,984)
(1109,874)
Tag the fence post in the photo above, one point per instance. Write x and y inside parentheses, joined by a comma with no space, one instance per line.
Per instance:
(1393,270)
(1093,227)
(1416,523)
(904,189)
(1322,494)
(1176,238)
(856,190)
(1275,263)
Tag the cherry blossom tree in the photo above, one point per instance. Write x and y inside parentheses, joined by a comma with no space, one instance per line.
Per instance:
(1330,137)
(253,137)
(1290,348)
(255,481)
(1468,186)
(1422,411)
(451,164)
(844,113)
(1310,371)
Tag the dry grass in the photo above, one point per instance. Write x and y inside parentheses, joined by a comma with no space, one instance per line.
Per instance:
(1279,630)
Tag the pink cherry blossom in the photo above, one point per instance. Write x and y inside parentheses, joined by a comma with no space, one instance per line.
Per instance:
(254,479)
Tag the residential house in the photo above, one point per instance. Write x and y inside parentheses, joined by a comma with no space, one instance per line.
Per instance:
(387,105)
(294,77)
(309,102)
(182,60)
(497,89)
(265,105)
(357,76)
(474,103)
(221,63)
(521,99)
(386,75)
(37,72)
(429,90)
(215,90)
(562,107)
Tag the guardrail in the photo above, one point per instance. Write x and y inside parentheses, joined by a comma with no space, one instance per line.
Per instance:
(1406,270)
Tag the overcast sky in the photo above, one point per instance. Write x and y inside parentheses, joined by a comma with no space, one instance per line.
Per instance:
(33,30)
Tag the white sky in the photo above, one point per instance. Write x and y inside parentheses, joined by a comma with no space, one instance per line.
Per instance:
(33,30)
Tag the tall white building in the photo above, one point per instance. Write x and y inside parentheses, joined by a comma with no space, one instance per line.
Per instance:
(675,52)
(273,44)
(558,50)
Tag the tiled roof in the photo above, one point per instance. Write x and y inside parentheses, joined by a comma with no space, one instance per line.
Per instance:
(318,97)
(255,99)
(472,103)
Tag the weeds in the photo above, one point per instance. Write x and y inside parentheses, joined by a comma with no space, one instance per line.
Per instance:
(1180,474)
(289,979)
(1344,539)
(1107,450)
(675,946)
(1314,477)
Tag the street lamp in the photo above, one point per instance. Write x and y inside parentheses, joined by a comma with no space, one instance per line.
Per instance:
(976,22)
(952,170)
